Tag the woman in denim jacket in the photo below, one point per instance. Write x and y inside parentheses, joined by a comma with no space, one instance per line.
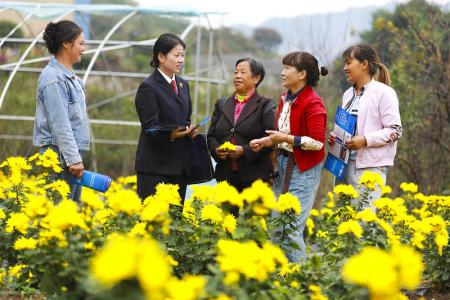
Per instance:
(61,121)
(375,105)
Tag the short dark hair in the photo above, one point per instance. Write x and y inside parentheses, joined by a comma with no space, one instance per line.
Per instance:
(305,61)
(256,68)
(164,44)
(55,34)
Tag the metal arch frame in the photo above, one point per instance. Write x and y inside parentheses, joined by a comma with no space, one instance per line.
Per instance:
(102,44)
(13,73)
(24,20)
(122,45)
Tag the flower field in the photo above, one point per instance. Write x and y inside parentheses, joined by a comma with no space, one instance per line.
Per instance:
(113,246)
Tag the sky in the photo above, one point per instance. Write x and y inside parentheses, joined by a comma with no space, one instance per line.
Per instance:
(254,12)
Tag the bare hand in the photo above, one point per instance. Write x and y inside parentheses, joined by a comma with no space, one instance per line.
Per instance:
(180,132)
(257,144)
(356,143)
(77,169)
(193,131)
(237,153)
(222,154)
(277,137)
(331,138)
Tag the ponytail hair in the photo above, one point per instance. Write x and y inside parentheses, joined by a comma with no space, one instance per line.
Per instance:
(363,52)
(383,74)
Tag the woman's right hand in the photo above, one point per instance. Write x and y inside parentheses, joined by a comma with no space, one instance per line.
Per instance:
(181,132)
(257,144)
(77,169)
(331,138)
(222,154)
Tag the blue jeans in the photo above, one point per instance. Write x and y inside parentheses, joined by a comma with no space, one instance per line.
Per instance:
(303,185)
(75,189)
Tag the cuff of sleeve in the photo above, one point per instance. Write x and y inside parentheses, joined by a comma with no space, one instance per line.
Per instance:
(73,160)
(297,141)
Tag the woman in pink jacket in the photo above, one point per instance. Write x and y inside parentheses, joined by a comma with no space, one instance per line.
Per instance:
(375,104)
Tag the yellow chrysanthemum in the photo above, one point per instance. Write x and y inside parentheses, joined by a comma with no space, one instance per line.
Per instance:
(16,270)
(65,216)
(310,225)
(37,206)
(212,213)
(260,196)
(19,222)
(288,202)
(346,189)
(168,193)
(125,201)
(316,293)
(248,259)
(91,199)
(229,223)
(116,261)
(59,186)
(410,266)
(227,146)
(25,244)
(369,179)
(350,226)
(2,214)
(223,192)
(383,273)
(49,159)
(409,187)
(156,210)
(190,287)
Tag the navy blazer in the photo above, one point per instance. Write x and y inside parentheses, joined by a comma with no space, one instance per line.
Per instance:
(157,105)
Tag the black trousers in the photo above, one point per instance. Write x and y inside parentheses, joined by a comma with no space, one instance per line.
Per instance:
(240,186)
(147,182)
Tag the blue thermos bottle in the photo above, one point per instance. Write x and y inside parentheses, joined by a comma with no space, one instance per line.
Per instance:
(95,181)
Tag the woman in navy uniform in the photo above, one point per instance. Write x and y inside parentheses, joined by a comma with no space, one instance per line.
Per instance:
(163,102)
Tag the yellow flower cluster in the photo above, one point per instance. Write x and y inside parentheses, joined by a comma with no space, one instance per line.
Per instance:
(316,293)
(260,196)
(25,243)
(125,257)
(350,226)
(427,226)
(211,212)
(369,179)
(409,187)
(288,202)
(346,189)
(227,146)
(248,259)
(48,159)
(384,273)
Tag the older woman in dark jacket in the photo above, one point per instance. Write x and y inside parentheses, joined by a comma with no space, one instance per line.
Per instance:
(243,116)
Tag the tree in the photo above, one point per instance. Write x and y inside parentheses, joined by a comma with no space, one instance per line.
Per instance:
(414,42)
(7,26)
(266,38)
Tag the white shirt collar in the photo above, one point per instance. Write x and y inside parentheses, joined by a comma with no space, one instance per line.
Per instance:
(168,79)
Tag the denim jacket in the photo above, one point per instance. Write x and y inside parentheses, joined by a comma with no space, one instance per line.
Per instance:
(61,117)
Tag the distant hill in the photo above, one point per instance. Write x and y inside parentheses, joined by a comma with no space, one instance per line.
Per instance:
(325,35)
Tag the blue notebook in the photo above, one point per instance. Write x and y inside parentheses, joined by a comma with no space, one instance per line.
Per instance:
(339,154)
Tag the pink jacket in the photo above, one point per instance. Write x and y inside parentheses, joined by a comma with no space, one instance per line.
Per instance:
(379,121)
